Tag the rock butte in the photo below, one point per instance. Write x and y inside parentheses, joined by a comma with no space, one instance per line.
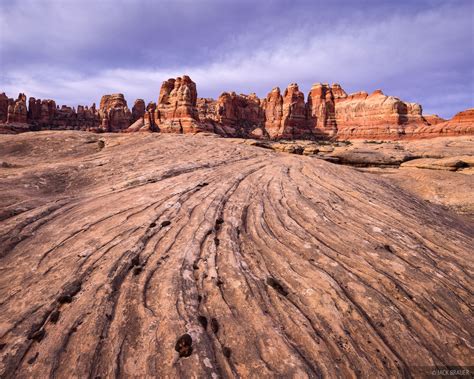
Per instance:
(165,255)
(328,113)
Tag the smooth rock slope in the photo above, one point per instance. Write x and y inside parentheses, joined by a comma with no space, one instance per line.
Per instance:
(162,255)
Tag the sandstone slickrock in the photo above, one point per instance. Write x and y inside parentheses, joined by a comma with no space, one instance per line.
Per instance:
(299,267)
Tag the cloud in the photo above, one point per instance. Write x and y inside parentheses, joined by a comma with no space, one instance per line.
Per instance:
(420,55)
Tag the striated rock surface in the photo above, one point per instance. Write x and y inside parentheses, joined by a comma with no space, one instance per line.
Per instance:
(461,123)
(169,256)
(286,115)
(375,116)
(273,106)
(294,122)
(321,109)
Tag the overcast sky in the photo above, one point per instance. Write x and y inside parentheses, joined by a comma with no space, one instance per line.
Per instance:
(76,51)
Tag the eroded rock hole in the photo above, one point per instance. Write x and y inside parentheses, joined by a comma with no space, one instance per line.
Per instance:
(203,321)
(214,326)
(184,345)
(277,285)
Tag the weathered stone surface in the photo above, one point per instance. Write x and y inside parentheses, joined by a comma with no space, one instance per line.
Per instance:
(294,122)
(150,118)
(114,113)
(207,109)
(321,109)
(286,116)
(375,116)
(450,164)
(461,123)
(87,118)
(433,119)
(138,110)
(176,107)
(235,115)
(43,114)
(273,106)
(329,113)
(300,268)
(17,112)
(4,103)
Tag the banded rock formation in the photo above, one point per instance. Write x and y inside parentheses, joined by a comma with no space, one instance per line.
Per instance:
(17,112)
(361,115)
(138,110)
(461,123)
(328,113)
(234,115)
(179,256)
(176,109)
(114,113)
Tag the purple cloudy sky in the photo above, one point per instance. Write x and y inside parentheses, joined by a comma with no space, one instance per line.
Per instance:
(76,51)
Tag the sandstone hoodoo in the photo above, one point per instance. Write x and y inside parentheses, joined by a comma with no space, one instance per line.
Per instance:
(114,113)
(328,112)
(176,109)
(138,110)
(321,108)
(17,112)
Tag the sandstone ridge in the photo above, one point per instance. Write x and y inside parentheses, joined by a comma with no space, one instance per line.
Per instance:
(328,112)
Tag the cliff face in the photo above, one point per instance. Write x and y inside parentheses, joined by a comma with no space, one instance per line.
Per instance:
(176,108)
(17,111)
(327,113)
(361,115)
(461,124)
(114,113)
(321,109)
(233,115)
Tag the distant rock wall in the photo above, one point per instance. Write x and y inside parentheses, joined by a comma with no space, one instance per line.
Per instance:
(327,113)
